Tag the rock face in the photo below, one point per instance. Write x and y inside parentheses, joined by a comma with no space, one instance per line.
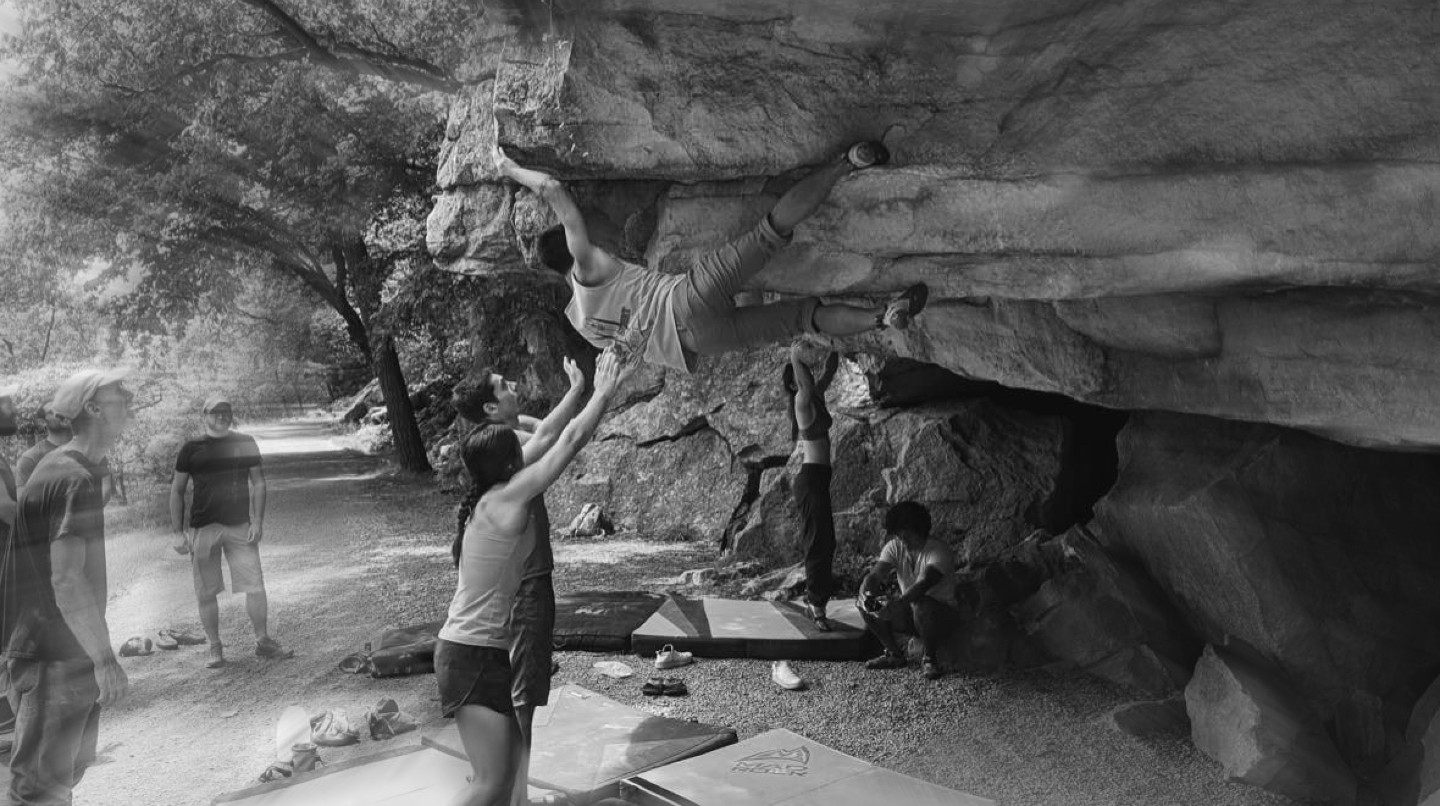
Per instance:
(1320,558)
(1197,206)
(1262,734)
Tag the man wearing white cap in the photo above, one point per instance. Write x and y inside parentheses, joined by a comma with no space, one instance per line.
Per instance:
(62,669)
(227,515)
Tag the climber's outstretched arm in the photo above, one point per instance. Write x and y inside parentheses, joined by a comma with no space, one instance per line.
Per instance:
(593,265)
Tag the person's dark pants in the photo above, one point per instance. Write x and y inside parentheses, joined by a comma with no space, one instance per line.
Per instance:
(929,618)
(532,623)
(57,726)
(817,528)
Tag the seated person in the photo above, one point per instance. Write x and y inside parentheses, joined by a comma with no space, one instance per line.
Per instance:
(926,605)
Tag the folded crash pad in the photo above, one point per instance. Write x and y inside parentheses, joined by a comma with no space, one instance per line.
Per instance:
(729,628)
(586,743)
(784,767)
(601,621)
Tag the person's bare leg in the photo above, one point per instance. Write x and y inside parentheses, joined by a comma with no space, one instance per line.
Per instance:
(805,197)
(488,738)
(836,319)
(257,605)
(520,792)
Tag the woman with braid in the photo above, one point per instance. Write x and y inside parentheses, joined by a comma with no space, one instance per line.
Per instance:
(810,428)
(472,656)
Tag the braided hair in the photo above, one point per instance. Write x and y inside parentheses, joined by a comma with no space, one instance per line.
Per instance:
(491,455)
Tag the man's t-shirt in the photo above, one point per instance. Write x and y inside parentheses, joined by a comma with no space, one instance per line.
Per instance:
(220,470)
(632,309)
(30,459)
(63,499)
(910,566)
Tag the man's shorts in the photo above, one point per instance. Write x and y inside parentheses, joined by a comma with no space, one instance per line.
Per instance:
(472,675)
(56,729)
(532,622)
(208,543)
(704,305)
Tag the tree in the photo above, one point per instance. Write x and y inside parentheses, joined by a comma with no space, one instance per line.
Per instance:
(196,143)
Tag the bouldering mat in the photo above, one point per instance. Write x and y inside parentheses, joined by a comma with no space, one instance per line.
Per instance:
(781,767)
(729,628)
(407,776)
(601,621)
(586,743)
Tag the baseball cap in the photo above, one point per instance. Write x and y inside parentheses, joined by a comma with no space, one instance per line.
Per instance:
(215,401)
(78,389)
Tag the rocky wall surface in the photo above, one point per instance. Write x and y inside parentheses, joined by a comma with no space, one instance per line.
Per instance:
(1205,207)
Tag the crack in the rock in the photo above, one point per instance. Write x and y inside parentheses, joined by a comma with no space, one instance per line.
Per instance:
(754,473)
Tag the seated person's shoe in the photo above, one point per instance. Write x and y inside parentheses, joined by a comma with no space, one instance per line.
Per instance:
(270,648)
(817,614)
(887,661)
(668,658)
(903,309)
(867,154)
(931,669)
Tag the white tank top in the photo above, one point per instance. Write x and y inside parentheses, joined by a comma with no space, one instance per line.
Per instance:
(490,571)
(633,308)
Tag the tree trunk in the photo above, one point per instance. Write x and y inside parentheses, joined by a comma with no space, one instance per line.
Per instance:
(409,447)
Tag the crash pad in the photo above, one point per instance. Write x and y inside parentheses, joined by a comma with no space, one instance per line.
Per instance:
(730,628)
(601,621)
(586,743)
(783,767)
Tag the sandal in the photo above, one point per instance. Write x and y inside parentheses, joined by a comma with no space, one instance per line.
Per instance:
(653,687)
(674,687)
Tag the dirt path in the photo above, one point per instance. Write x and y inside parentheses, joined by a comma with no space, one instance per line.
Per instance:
(349,550)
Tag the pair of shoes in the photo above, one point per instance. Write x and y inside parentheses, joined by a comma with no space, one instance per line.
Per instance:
(668,686)
(163,640)
(903,309)
(386,720)
(785,677)
(182,637)
(135,646)
(931,668)
(669,658)
(867,154)
(887,661)
(269,648)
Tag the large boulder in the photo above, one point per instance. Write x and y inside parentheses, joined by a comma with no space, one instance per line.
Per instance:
(1111,620)
(1189,206)
(1242,716)
(1318,557)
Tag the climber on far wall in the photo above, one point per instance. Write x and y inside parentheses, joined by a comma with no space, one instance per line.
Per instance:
(672,319)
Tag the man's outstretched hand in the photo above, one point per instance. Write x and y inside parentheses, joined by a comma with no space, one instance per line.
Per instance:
(611,370)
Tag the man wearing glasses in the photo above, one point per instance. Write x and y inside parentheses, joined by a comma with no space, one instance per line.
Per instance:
(227,514)
(62,669)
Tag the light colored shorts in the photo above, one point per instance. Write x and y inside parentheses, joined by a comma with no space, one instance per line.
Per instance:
(704,305)
(208,542)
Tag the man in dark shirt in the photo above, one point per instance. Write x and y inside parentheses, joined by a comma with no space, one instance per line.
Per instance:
(227,514)
(62,669)
(57,433)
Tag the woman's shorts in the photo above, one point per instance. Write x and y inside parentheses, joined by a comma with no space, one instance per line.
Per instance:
(472,675)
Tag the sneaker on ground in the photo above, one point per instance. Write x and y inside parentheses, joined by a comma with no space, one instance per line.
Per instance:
(886,661)
(931,669)
(270,648)
(903,309)
(867,154)
(669,657)
(785,677)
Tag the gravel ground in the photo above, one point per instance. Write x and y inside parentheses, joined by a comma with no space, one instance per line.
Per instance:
(350,550)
